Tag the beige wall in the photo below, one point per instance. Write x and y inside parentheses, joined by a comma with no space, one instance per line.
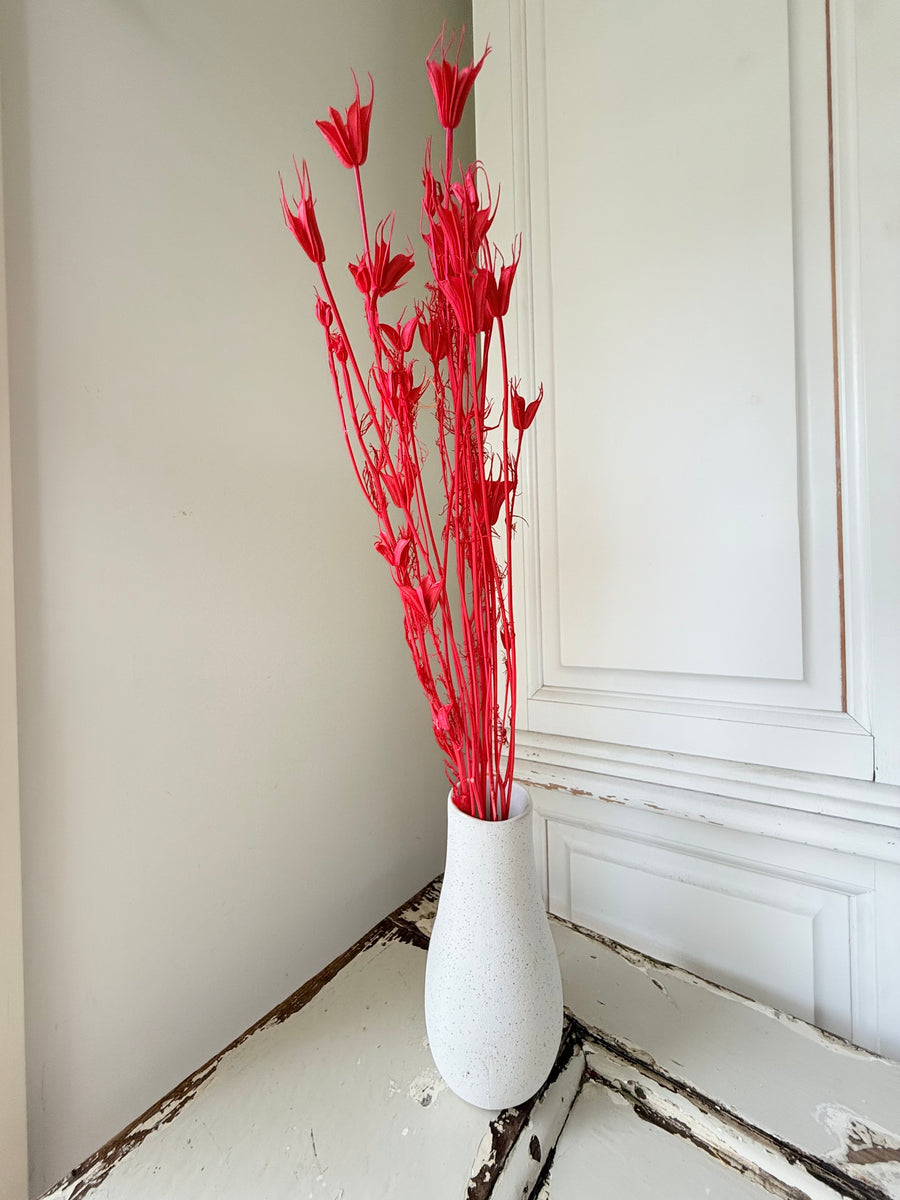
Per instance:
(227,770)
(13,1157)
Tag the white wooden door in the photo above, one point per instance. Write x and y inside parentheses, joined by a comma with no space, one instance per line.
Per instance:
(694,570)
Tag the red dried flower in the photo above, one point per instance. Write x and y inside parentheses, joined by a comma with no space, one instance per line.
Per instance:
(394,552)
(400,484)
(337,346)
(399,338)
(324,313)
(303,224)
(499,289)
(421,601)
(349,136)
(384,272)
(400,395)
(497,491)
(467,297)
(434,336)
(523,414)
(451,83)
(461,653)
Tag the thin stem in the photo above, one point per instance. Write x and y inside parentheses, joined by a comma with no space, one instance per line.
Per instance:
(362,212)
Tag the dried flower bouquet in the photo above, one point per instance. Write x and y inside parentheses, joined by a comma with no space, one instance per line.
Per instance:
(452,569)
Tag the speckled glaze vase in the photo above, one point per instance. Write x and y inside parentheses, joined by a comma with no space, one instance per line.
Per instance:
(493,996)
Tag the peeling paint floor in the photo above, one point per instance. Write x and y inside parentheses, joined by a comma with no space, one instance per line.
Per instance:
(665,1085)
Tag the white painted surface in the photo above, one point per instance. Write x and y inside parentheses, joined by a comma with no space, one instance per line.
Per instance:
(602,1131)
(773,1071)
(681,542)
(877,95)
(341,1100)
(338,1099)
(795,909)
(605,1140)
(493,997)
(676,472)
(716,904)
(13,1137)
(737,827)
(227,766)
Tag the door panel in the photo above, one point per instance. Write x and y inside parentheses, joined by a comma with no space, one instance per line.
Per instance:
(681,574)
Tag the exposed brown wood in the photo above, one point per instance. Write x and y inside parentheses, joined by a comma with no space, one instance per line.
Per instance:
(508,1125)
(637,1098)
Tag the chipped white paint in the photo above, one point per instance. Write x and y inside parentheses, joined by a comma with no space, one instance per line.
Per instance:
(540,1134)
(870,1151)
(493,998)
(426,1086)
(775,1071)
(485,1158)
(686,1090)
(720,1137)
(305,1106)
(606,1150)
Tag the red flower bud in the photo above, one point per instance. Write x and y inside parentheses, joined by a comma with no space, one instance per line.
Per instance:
(497,491)
(451,83)
(338,347)
(421,601)
(382,273)
(303,224)
(499,289)
(349,136)
(396,553)
(523,414)
(324,314)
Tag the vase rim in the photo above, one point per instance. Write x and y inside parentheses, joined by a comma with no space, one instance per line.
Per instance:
(526,809)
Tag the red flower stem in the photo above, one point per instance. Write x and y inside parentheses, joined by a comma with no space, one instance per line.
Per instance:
(371,411)
(486,607)
(373,416)
(422,502)
(459,649)
(362,212)
(510,639)
(476,800)
(480,584)
(340,400)
(450,642)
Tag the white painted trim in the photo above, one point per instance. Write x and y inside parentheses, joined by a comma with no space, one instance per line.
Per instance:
(827,794)
(862,818)
(13,1134)
(824,720)
(875,95)
(857,973)
(833,743)
(851,379)
(833,893)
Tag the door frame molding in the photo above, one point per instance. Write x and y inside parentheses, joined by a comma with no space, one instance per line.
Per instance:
(13,1121)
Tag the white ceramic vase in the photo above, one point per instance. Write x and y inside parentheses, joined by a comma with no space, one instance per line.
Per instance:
(493,996)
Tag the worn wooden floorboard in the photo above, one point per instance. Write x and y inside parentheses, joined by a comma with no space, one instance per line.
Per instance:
(607,1150)
(809,1090)
(340,1100)
(664,1082)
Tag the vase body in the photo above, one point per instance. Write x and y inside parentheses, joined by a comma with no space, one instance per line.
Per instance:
(493,996)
